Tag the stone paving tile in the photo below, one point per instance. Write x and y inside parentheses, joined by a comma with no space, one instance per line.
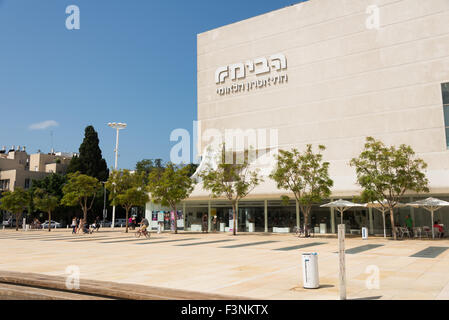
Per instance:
(300,246)
(444,293)
(166,241)
(249,244)
(201,243)
(254,271)
(127,240)
(93,239)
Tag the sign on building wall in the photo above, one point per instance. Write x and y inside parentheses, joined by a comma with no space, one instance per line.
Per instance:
(270,71)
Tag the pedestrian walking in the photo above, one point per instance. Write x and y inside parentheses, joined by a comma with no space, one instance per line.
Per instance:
(134,223)
(97,224)
(73,225)
(80,226)
(214,223)
(205,223)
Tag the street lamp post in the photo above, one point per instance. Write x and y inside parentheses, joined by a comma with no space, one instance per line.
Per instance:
(104,201)
(118,127)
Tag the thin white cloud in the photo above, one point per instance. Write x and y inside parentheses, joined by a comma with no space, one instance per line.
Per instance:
(43,125)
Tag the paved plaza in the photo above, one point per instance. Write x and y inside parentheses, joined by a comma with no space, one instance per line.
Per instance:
(256,266)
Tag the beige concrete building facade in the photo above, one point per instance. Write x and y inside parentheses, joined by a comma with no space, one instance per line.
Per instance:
(328,72)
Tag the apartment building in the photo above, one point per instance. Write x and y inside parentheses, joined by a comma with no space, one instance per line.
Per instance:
(19,169)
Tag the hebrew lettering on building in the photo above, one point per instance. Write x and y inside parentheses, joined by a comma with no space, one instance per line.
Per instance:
(272,68)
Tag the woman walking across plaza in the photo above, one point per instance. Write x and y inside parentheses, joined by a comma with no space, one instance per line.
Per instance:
(80,226)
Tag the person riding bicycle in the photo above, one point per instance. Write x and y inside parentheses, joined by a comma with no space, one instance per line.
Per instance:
(86,228)
(144,225)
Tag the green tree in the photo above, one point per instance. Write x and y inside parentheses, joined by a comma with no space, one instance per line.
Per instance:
(74,165)
(191,167)
(306,175)
(127,190)
(234,181)
(90,160)
(386,173)
(146,166)
(15,202)
(170,186)
(46,202)
(52,184)
(80,189)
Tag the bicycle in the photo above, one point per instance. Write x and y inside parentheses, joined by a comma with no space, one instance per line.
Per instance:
(300,231)
(140,233)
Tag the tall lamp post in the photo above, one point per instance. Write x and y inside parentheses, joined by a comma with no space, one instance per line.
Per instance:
(118,127)
(105,213)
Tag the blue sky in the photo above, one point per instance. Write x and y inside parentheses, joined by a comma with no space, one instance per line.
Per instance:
(119,67)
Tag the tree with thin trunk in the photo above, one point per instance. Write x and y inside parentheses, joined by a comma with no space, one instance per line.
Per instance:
(46,202)
(15,202)
(306,175)
(90,160)
(233,180)
(127,189)
(170,186)
(386,173)
(80,189)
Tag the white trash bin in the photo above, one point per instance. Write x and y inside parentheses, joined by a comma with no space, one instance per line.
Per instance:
(222,227)
(159,228)
(364,233)
(310,276)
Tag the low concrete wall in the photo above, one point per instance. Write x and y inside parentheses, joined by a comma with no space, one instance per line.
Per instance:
(108,289)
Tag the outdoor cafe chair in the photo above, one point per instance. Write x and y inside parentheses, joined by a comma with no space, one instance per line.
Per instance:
(399,232)
(426,230)
(437,232)
(417,232)
(405,231)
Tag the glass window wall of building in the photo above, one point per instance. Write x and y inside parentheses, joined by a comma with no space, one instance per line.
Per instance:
(281,215)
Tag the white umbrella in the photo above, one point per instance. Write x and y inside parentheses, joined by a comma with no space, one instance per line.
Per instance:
(341,206)
(382,207)
(432,205)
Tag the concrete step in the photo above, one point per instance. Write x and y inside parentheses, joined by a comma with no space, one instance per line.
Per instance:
(19,292)
(106,289)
